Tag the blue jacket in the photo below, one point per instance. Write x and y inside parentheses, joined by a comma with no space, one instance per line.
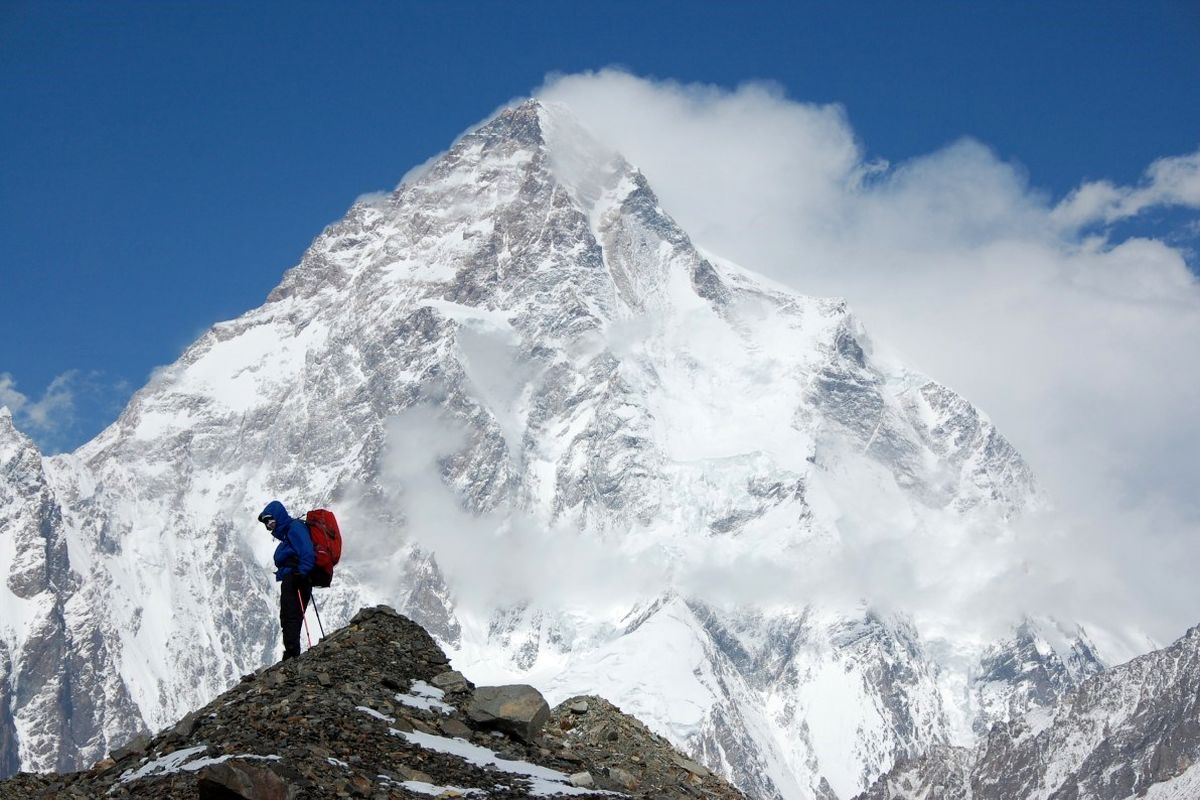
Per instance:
(294,553)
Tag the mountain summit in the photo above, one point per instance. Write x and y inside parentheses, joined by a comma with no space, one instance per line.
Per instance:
(578,450)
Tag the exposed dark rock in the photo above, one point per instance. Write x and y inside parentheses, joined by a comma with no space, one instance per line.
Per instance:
(359,715)
(624,755)
(451,682)
(519,710)
(231,780)
(133,748)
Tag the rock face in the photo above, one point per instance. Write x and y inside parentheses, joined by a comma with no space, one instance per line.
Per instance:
(1132,731)
(56,652)
(358,716)
(523,332)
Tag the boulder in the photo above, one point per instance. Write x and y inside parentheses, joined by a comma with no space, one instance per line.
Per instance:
(233,779)
(691,766)
(133,748)
(451,682)
(622,778)
(186,726)
(453,728)
(517,709)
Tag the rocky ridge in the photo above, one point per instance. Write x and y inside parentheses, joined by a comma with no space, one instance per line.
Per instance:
(1131,731)
(374,711)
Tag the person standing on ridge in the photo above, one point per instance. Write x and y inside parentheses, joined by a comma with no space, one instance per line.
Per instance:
(294,559)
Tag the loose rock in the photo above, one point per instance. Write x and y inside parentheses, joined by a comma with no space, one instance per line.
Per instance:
(518,709)
(245,780)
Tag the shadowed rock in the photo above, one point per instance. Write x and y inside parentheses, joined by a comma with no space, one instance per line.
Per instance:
(517,709)
(234,780)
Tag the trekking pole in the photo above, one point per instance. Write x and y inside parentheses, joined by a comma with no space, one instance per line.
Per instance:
(304,616)
(317,611)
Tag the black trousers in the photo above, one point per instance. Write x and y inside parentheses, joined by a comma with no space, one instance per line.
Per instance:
(295,592)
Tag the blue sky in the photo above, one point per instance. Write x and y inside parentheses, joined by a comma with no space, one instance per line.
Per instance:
(165,163)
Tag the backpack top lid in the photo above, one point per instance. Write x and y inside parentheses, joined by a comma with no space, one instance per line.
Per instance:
(324,518)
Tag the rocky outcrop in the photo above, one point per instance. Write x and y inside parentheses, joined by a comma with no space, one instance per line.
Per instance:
(944,773)
(360,715)
(626,752)
(33,590)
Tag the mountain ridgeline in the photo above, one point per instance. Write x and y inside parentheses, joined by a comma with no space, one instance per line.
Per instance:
(576,449)
(1132,731)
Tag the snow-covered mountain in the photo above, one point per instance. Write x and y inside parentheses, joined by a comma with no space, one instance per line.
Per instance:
(1132,731)
(518,363)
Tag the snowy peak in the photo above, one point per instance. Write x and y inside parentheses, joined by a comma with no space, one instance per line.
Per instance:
(35,642)
(1028,673)
(12,441)
(33,545)
(577,161)
(519,126)
(526,205)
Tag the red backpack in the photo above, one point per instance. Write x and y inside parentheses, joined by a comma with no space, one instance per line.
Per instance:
(327,544)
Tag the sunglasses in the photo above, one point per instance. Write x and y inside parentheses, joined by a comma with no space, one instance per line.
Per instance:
(268,520)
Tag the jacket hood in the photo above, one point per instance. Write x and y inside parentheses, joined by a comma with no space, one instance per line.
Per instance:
(276,510)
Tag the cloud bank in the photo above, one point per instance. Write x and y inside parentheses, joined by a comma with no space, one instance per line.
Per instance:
(1081,345)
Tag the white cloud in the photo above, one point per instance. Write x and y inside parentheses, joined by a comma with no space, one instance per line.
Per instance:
(1172,181)
(9,396)
(55,421)
(1082,349)
(47,416)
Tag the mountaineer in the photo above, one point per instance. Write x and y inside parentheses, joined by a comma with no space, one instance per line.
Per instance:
(294,560)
